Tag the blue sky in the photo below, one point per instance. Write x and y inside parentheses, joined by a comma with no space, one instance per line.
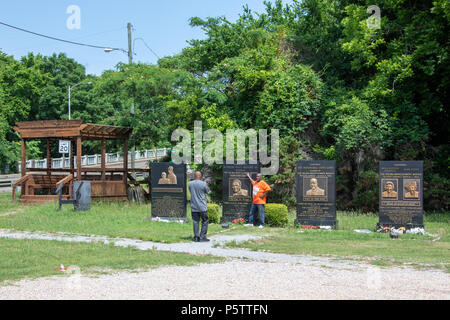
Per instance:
(162,24)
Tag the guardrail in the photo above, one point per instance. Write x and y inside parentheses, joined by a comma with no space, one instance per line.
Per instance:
(88,160)
(6,183)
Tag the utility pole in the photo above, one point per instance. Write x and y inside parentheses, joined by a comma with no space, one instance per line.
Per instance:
(130,52)
(130,62)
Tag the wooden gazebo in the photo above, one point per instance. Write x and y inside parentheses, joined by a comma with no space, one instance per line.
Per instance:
(38,185)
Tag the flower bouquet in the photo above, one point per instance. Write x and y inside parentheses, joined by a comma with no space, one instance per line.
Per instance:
(307,226)
(384,230)
(238,221)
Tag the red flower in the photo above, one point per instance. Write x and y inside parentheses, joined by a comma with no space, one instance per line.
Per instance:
(238,220)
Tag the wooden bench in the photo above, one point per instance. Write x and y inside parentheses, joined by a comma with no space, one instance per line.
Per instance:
(42,182)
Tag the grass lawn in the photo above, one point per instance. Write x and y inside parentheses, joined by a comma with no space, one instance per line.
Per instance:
(6,204)
(133,221)
(345,242)
(115,219)
(39,258)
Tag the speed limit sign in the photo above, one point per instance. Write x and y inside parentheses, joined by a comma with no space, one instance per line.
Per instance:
(64,146)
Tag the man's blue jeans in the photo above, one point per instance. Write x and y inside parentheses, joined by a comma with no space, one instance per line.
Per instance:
(253,208)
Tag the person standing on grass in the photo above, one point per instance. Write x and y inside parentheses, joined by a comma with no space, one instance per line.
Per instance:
(199,189)
(260,191)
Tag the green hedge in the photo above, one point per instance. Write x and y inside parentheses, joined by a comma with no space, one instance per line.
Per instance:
(276,214)
(213,213)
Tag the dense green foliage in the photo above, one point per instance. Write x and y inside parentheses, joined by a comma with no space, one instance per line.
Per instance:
(213,213)
(335,88)
(276,214)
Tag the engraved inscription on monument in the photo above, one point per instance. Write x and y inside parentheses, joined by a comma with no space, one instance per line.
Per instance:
(401,189)
(168,190)
(316,193)
(237,190)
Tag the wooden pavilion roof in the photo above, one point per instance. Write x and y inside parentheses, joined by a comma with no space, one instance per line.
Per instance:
(70,129)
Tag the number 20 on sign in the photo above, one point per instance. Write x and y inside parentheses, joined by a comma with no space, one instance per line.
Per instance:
(64,146)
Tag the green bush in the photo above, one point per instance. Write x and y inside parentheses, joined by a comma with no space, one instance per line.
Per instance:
(366,189)
(436,193)
(276,214)
(283,183)
(213,213)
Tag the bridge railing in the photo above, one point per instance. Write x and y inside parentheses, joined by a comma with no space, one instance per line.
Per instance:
(95,159)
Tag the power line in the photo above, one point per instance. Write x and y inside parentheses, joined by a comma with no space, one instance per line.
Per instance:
(58,39)
(83,37)
(145,43)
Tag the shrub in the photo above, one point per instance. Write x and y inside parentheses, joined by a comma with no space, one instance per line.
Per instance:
(283,183)
(276,214)
(213,213)
(436,193)
(366,190)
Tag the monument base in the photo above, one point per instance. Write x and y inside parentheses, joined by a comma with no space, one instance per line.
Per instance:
(407,226)
(170,219)
(316,222)
(230,218)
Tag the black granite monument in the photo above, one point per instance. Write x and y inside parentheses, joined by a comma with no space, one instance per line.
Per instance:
(316,193)
(401,194)
(237,190)
(168,190)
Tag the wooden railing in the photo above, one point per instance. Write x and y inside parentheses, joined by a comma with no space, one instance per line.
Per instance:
(22,180)
(65,180)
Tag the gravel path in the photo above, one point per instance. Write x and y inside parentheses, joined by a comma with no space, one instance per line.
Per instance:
(260,275)
(240,280)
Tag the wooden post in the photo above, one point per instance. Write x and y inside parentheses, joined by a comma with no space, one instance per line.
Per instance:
(23,164)
(103,165)
(71,157)
(103,159)
(72,166)
(125,161)
(49,157)
(78,158)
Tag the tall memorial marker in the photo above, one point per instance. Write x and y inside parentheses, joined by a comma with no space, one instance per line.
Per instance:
(401,194)
(316,193)
(168,190)
(237,190)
